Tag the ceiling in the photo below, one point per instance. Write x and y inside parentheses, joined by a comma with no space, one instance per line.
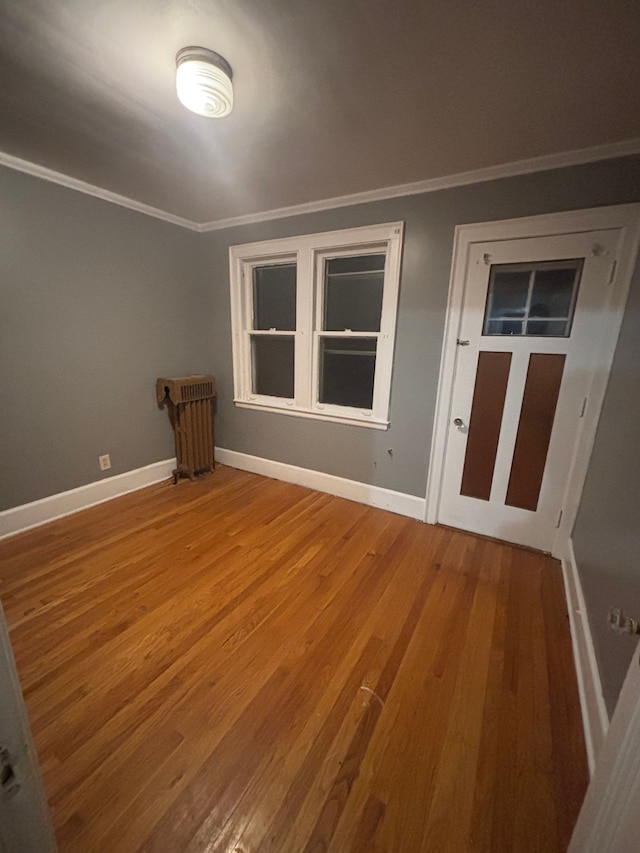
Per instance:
(332,97)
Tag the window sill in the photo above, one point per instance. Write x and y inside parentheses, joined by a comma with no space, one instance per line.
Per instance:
(371,422)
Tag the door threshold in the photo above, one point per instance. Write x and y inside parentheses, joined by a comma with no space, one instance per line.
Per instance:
(495,539)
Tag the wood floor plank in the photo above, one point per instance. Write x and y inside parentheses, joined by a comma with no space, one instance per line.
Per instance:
(312,791)
(494,735)
(239,664)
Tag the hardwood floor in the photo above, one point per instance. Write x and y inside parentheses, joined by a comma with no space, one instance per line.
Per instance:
(244,665)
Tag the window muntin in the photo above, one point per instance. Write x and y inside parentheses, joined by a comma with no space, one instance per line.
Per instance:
(335,361)
(532,299)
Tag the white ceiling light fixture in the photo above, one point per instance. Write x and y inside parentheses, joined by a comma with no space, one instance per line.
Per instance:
(203,82)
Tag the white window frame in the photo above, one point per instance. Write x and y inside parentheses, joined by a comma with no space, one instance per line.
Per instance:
(309,252)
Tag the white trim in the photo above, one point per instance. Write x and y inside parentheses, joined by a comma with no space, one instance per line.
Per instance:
(445,379)
(25,821)
(352,490)
(20,518)
(70,183)
(625,217)
(544,163)
(26,516)
(609,821)
(595,719)
(548,224)
(626,261)
(298,412)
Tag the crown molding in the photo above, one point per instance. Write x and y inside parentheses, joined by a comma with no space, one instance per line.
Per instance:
(476,176)
(63,180)
(543,163)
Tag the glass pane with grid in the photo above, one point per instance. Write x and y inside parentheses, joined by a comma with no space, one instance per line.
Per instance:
(532,300)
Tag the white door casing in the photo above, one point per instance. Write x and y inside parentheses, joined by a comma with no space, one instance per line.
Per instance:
(25,825)
(609,821)
(607,238)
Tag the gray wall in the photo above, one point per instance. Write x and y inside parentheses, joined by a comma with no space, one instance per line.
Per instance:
(358,453)
(606,536)
(96,301)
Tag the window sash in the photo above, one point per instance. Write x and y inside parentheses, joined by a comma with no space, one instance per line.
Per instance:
(332,408)
(378,409)
(271,333)
(255,286)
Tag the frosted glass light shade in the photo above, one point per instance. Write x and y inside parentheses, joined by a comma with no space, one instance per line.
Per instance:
(203,82)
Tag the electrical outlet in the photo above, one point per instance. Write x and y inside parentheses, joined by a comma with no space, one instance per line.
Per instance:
(105,462)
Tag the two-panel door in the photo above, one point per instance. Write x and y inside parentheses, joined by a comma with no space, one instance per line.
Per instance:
(526,352)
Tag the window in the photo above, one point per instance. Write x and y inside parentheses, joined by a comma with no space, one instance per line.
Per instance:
(314,322)
(532,300)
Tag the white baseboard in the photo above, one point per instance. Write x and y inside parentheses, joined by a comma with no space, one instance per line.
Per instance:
(20,518)
(352,490)
(34,514)
(595,719)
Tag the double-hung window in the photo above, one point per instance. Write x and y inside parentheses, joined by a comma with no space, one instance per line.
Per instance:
(314,322)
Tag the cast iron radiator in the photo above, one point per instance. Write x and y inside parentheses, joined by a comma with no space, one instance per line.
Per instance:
(191,401)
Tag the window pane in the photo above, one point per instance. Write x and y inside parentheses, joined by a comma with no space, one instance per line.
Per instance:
(553,292)
(347,369)
(353,293)
(508,293)
(533,299)
(274,297)
(272,361)
(357,263)
(503,327)
(548,328)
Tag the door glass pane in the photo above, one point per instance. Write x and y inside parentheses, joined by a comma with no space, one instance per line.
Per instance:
(274,297)
(508,294)
(532,299)
(353,293)
(347,370)
(552,293)
(547,328)
(272,363)
(503,327)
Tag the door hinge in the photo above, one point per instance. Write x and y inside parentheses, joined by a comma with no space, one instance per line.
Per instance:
(584,407)
(612,274)
(559,518)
